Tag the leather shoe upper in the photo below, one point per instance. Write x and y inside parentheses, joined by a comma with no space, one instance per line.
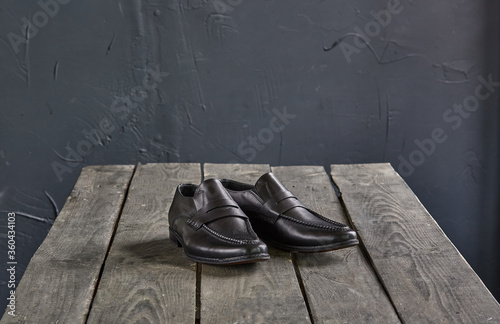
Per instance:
(282,220)
(211,227)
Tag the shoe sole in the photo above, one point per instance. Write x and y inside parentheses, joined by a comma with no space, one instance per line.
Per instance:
(312,249)
(251,258)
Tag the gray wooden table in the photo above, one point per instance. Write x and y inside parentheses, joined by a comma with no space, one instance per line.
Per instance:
(108,259)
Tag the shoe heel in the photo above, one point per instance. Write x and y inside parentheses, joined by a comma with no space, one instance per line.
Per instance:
(173,238)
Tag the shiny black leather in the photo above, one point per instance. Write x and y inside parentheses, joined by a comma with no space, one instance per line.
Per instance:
(211,227)
(281,220)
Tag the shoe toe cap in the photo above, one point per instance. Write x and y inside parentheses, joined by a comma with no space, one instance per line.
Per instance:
(217,250)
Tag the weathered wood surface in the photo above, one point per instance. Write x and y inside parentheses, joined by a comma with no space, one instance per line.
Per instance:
(406,258)
(147,278)
(60,280)
(264,292)
(426,277)
(341,285)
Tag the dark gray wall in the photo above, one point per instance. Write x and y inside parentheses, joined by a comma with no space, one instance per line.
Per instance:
(106,82)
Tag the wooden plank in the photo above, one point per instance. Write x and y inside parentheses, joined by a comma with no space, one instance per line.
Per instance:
(425,275)
(264,292)
(147,278)
(341,285)
(60,280)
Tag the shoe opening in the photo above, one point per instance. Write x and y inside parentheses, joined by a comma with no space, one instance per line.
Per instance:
(234,185)
(187,190)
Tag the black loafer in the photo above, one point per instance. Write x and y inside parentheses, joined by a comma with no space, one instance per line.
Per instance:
(281,220)
(211,227)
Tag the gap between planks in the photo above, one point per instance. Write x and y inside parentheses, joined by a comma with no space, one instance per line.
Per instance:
(111,242)
(301,285)
(199,271)
(340,285)
(362,246)
(287,306)
(419,265)
(197,304)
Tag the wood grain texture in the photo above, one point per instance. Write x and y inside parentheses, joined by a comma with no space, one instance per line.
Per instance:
(264,292)
(60,280)
(426,277)
(341,286)
(147,278)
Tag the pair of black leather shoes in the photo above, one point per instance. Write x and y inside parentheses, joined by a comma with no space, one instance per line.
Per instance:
(223,222)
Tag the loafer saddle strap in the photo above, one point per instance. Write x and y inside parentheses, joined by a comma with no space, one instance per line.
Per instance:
(272,209)
(213,211)
(279,196)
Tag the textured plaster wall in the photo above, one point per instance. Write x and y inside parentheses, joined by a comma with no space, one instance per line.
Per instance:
(281,82)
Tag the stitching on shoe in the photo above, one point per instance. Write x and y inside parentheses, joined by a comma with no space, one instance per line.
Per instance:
(337,224)
(340,227)
(329,228)
(228,239)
